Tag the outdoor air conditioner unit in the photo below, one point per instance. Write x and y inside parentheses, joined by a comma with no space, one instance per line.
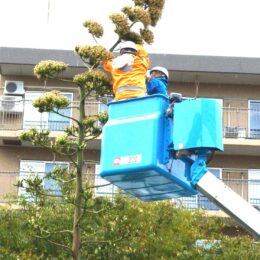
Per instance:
(11,104)
(14,88)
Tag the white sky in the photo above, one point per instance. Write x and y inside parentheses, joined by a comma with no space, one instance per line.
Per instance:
(199,27)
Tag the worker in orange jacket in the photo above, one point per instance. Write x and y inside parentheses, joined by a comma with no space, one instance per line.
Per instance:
(128,71)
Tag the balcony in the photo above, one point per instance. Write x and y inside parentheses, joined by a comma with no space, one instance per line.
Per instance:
(20,115)
(248,189)
(241,123)
(241,126)
(239,180)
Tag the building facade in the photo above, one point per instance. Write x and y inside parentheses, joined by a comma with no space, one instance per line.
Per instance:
(234,81)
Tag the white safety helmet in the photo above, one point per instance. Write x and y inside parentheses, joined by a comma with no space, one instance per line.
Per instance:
(128,46)
(161,69)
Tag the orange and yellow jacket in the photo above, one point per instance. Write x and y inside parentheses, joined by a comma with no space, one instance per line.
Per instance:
(129,81)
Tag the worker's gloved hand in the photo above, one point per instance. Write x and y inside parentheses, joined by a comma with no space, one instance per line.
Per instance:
(122,61)
(175,97)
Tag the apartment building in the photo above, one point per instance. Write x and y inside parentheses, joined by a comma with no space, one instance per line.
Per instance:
(234,81)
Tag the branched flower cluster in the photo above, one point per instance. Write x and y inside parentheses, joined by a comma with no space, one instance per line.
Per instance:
(102,117)
(94,76)
(49,69)
(93,54)
(155,8)
(92,130)
(147,12)
(94,80)
(94,28)
(147,35)
(89,121)
(36,137)
(51,101)
(120,21)
(62,140)
(64,144)
(155,3)
(139,2)
(32,185)
(136,14)
(123,29)
(132,36)
(71,131)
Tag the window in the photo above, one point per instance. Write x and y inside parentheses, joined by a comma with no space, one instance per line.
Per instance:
(51,121)
(110,190)
(254,187)
(39,168)
(103,103)
(254,119)
(103,107)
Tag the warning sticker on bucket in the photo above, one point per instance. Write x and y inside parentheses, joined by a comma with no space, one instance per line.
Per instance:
(129,159)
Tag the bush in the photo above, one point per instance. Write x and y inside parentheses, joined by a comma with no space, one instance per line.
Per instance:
(120,229)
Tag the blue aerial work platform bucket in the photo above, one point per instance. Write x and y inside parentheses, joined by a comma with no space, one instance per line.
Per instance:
(136,151)
(154,155)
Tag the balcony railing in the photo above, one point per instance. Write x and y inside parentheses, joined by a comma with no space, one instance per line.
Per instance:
(239,180)
(248,189)
(15,115)
(19,115)
(241,123)
(236,179)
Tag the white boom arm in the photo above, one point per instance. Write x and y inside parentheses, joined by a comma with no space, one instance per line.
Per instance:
(230,202)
